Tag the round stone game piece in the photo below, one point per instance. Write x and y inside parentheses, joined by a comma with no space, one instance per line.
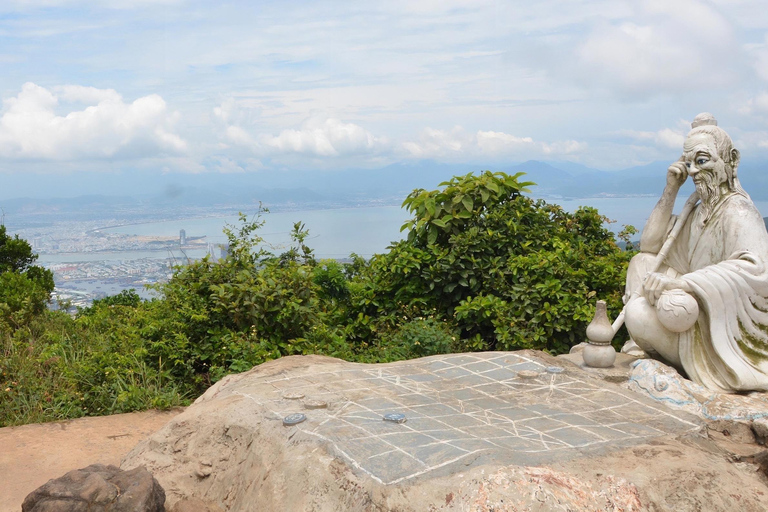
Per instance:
(395,417)
(315,404)
(293,395)
(293,419)
(555,369)
(528,374)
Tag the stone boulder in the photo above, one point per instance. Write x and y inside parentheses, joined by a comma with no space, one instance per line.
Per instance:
(98,488)
(483,431)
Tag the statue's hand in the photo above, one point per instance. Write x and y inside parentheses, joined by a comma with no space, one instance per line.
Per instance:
(677,173)
(656,283)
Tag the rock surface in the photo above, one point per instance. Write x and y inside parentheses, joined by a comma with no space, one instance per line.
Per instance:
(33,454)
(488,431)
(98,488)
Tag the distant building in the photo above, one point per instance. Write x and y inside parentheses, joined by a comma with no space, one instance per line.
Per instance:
(182,237)
(224,250)
(212,252)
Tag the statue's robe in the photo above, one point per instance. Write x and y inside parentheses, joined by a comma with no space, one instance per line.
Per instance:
(725,262)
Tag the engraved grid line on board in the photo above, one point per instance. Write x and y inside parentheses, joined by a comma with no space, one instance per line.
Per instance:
(462,405)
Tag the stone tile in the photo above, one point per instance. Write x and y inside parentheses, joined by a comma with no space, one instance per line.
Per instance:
(456,404)
(607,433)
(408,440)
(435,410)
(438,454)
(472,444)
(379,427)
(461,394)
(500,374)
(461,359)
(380,404)
(340,432)
(573,419)
(391,466)
(436,364)
(448,435)
(637,430)
(495,389)
(411,399)
(544,410)
(481,366)
(421,377)
(452,373)
(604,416)
(517,443)
(487,403)
(429,425)
(541,424)
(344,386)
(462,421)
(526,365)
(670,424)
(574,436)
(486,432)
(516,413)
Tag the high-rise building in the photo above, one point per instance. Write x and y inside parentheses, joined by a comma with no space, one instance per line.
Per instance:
(182,237)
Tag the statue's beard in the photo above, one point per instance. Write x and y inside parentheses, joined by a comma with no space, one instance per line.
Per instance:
(709,192)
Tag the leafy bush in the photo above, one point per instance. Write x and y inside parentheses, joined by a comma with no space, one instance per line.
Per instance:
(483,267)
(25,289)
(512,272)
(57,368)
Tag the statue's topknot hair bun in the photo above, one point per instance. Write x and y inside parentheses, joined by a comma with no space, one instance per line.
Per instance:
(705,118)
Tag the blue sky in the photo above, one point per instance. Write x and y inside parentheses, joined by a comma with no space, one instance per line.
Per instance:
(244,86)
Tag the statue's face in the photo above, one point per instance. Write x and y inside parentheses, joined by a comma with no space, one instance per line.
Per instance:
(705,166)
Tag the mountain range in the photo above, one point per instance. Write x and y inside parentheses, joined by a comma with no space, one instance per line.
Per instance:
(87,193)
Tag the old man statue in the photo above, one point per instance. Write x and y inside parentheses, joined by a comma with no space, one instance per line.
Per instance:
(697,294)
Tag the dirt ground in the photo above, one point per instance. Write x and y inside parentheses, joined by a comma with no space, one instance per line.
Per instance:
(31,455)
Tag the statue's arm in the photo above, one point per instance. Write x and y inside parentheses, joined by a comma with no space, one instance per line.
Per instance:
(744,242)
(656,227)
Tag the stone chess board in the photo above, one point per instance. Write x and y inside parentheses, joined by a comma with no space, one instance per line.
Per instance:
(463,408)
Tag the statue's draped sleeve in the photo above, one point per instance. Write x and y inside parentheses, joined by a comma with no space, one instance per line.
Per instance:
(728,346)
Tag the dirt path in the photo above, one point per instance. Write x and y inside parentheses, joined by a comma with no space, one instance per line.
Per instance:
(31,455)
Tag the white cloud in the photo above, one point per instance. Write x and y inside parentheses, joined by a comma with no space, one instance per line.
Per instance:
(226,165)
(329,137)
(110,4)
(758,105)
(316,137)
(669,138)
(500,142)
(440,143)
(457,144)
(239,136)
(666,138)
(662,47)
(107,127)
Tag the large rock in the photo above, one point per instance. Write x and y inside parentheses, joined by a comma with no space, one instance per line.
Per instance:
(489,431)
(98,488)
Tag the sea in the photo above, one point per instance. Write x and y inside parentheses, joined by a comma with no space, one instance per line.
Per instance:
(336,233)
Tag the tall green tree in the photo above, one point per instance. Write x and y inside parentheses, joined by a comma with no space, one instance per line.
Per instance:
(15,253)
(512,272)
(25,289)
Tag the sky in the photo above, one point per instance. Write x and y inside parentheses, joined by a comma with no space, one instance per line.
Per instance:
(195,86)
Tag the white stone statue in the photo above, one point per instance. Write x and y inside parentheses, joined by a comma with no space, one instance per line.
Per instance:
(697,294)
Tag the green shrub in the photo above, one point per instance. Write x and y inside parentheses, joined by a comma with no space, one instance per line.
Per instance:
(483,268)
(512,272)
(57,368)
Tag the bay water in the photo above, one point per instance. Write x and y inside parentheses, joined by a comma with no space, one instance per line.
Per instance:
(336,233)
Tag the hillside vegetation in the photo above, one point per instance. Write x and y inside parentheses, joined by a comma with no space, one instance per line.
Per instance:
(483,268)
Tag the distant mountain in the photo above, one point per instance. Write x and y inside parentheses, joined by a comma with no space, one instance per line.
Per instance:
(571,167)
(87,192)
